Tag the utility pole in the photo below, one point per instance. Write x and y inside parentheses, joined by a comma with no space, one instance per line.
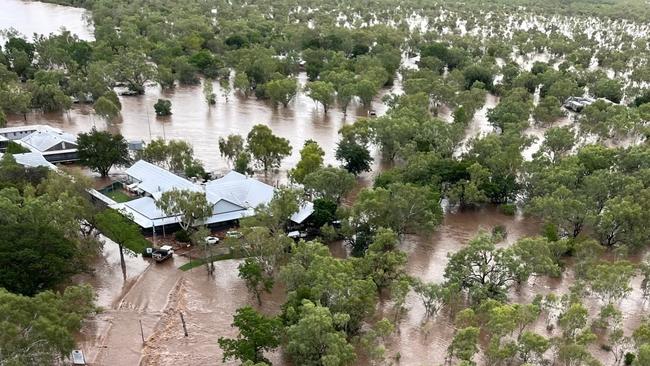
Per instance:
(184,326)
(164,135)
(149,124)
(141,331)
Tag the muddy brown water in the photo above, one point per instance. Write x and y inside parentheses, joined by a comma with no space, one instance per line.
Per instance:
(29,17)
(162,292)
(202,125)
(155,295)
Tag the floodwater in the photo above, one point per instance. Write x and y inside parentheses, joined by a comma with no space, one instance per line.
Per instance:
(148,303)
(202,125)
(421,341)
(29,17)
(479,126)
(162,293)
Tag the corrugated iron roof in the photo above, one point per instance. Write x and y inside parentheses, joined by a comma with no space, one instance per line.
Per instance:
(154,179)
(43,140)
(32,159)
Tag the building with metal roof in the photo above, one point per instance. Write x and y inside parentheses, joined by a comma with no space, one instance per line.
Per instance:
(32,160)
(52,144)
(232,197)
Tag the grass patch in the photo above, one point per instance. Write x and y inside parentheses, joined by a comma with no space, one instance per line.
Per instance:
(118,196)
(215,258)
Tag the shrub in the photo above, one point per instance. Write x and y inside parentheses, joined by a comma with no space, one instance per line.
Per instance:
(163,107)
(182,236)
(499,231)
(549,231)
(508,209)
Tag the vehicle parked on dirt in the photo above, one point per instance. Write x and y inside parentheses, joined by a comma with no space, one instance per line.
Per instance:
(162,253)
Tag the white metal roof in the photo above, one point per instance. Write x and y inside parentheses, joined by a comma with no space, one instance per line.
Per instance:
(154,179)
(29,128)
(43,140)
(233,197)
(144,212)
(303,213)
(32,159)
(240,190)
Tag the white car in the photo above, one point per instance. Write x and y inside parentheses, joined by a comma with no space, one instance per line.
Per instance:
(212,240)
(233,234)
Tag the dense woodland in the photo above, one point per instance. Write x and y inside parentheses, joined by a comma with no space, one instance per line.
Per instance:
(588,183)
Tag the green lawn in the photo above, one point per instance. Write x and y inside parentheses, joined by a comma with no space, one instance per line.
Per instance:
(118,196)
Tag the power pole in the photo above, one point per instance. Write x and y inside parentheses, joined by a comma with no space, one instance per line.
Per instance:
(149,124)
(141,331)
(184,326)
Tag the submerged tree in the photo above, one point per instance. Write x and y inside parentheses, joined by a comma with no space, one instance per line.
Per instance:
(282,90)
(122,231)
(266,148)
(322,92)
(257,280)
(487,272)
(314,340)
(257,334)
(231,147)
(311,159)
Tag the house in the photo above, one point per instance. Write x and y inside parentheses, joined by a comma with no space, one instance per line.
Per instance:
(51,143)
(232,197)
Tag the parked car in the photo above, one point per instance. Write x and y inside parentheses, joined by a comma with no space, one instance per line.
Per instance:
(296,235)
(233,234)
(212,240)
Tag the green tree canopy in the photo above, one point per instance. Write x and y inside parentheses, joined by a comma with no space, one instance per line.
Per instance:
(314,340)
(35,257)
(101,150)
(267,149)
(257,334)
(40,330)
(311,159)
(329,182)
(191,207)
(322,92)
(281,90)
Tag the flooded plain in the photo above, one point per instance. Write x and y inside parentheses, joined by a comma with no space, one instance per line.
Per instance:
(148,301)
(202,125)
(29,17)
